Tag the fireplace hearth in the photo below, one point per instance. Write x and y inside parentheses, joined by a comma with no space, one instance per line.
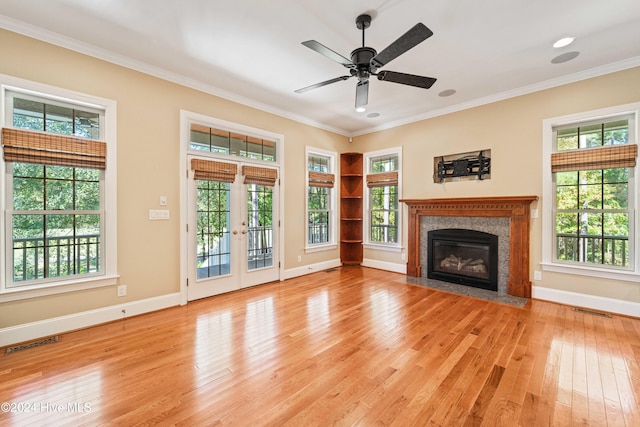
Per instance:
(466,257)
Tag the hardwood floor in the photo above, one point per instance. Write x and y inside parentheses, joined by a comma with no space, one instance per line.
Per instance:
(354,346)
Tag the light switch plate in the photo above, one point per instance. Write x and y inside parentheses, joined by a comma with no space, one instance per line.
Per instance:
(158,214)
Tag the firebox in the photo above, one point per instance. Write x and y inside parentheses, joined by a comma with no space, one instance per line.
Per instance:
(466,257)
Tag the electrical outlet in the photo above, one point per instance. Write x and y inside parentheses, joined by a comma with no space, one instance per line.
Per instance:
(122,290)
(537,275)
(404,256)
(299,258)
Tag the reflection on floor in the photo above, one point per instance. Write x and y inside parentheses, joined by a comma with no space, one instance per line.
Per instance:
(468,290)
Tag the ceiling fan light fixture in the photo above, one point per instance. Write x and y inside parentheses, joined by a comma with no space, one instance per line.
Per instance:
(565,41)
(361,109)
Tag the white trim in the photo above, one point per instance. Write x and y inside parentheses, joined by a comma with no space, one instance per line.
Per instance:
(384,265)
(547,256)
(610,305)
(39,33)
(382,247)
(513,93)
(320,248)
(311,268)
(134,64)
(334,207)
(188,117)
(110,193)
(366,223)
(56,325)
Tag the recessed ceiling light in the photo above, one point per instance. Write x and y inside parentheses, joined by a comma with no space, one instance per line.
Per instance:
(361,109)
(565,57)
(373,115)
(566,41)
(447,92)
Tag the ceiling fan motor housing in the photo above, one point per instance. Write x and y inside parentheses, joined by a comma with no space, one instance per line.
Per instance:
(361,57)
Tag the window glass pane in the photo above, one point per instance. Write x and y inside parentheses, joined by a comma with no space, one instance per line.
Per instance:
(590,196)
(220,144)
(269,151)
(28,114)
(28,247)
(87,124)
(34,188)
(616,132)
(59,194)
(384,164)
(567,139)
(318,163)
(567,197)
(567,223)
(590,136)
(58,120)
(87,195)
(238,146)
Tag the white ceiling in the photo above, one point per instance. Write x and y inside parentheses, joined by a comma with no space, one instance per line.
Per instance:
(250,51)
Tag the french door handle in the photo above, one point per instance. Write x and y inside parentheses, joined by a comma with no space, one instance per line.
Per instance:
(235,231)
(244,231)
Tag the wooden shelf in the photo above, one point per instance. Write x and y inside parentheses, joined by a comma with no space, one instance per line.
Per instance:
(351,191)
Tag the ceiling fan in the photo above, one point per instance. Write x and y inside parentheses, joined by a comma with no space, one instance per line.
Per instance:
(365,61)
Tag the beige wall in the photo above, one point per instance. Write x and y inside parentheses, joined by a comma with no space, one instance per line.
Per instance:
(148,156)
(148,167)
(512,129)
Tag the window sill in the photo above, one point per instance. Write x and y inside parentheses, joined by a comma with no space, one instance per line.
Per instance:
(624,275)
(320,248)
(16,294)
(380,247)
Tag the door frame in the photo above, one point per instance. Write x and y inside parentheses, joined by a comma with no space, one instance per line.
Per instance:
(188,117)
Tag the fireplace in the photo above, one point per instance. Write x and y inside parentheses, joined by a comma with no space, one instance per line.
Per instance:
(514,208)
(467,257)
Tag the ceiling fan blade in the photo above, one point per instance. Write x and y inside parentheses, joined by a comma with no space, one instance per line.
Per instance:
(411,38)
(362,94)
(406,79)
(327,82)
(323,50)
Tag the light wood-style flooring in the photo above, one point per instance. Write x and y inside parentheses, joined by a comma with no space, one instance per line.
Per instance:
(353,346)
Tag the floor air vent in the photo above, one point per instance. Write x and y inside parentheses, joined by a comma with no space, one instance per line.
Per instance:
(595,313)
(38,343)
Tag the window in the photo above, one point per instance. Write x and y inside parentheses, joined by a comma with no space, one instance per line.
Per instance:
(383,208)
(219,141)
(55,178)
(320,198)
(591,222)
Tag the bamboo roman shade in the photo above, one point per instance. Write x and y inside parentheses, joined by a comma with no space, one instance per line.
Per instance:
(50,149)
(382,179)
(260,176)
(321,179)
(613,156)
(209,170)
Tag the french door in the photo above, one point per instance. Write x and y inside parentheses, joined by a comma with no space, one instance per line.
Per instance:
(232,227)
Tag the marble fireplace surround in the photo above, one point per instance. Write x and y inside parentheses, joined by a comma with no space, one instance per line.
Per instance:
(516,208)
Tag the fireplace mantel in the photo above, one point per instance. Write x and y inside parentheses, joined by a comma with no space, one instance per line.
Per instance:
(515,208)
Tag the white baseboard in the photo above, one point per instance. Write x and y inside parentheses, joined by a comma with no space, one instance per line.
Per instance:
(383,265)
(311,268)
(575,299)
(44,328)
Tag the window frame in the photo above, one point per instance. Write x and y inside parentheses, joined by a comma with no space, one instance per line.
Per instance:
(368,244)
(332,157)
(107,108)
(548,258)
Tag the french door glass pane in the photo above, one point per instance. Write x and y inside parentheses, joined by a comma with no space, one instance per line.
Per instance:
(259,226)
(213,229)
